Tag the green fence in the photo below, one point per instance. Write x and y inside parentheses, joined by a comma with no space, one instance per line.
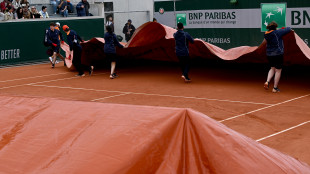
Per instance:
(22,41)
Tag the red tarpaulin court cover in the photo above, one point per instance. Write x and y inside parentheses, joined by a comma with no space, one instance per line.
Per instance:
(154,41)
(50,136)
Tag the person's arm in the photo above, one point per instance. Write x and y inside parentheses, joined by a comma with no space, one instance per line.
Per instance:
(189,38)
(117,42)
(125,29)
(78,6)
(87,5)
(41,14)
(61,37)
(47,38)
(79,38)
(112,26)
(59,6)
(284,31)
(66,6)
(70,41)
(133,29)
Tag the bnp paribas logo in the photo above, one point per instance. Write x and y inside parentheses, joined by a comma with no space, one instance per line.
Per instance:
(273,12)
(181,18)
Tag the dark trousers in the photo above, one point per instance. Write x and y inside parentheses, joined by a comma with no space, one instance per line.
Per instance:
(185,65)
(77,53)
(128,37)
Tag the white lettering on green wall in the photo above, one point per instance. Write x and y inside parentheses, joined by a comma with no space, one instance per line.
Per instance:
(10,54)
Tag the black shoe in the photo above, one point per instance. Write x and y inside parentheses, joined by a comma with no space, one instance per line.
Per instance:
(276,90)
(91,70)
(53,65)
(186,79)
(115,75)
(80,75)
(65,63)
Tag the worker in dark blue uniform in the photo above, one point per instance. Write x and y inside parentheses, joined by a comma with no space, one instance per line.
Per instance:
(73,40)
(181,47)
(109,49)
(52,39)
(275,52)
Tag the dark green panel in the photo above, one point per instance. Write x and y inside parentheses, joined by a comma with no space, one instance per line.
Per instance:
(225,4)
(304,34)
(28,37)
(166,5)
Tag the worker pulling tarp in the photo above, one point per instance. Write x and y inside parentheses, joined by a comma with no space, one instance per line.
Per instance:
(155,42)
(96,138)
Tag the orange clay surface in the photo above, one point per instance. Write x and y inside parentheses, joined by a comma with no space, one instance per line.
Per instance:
(229,94)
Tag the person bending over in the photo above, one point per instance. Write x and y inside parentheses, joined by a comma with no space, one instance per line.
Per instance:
(73,41)
(275,51)
(181,48)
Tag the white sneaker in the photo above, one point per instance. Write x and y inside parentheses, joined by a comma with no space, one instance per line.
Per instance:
(51,60)
(56,62)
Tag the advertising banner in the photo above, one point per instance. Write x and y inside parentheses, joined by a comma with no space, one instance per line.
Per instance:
(273,12)
(231,25)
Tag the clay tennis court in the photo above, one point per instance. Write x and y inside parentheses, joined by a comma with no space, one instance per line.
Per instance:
(229,93)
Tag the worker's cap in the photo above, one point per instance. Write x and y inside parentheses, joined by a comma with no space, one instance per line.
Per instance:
(65,27)
(57,23)
(129,20)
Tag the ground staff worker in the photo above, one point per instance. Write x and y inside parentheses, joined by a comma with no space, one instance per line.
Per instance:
(62,42)
(109,49)
(181,47)
(275,52)
(52,39)
(57,27)
(73,41)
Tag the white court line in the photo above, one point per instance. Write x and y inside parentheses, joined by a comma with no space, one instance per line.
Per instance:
(272,135)
(25,64)
(75,77)
(7,87)
(147,94)
(55,80)
(287,101)
(32,77)
(45,81)
(109,97)
(198,98)
(84,89)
